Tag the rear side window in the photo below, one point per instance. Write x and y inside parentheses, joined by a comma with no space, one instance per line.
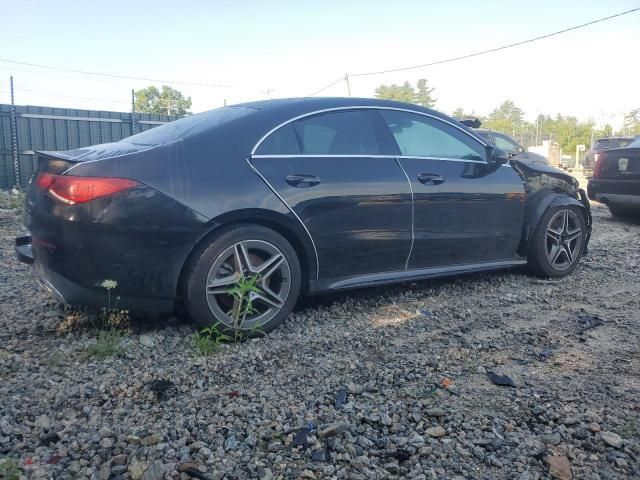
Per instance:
(420,136)
(283,141)
(339,133)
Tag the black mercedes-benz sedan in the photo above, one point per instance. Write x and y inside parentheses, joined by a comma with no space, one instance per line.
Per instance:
(238,211)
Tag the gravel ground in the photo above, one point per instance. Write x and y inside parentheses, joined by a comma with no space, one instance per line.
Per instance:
(383,383)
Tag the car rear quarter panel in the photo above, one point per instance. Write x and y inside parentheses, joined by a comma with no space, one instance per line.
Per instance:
(139,238)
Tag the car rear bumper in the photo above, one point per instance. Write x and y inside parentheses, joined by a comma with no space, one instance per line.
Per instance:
(615,192)
(70,292)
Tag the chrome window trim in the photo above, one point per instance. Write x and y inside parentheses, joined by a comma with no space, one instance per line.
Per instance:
(313,244)
(308,155)
(445,159)
(371,156)
(365,107)
(406,264)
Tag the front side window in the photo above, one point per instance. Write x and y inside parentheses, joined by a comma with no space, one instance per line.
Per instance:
(506,144)
(421,136)
(338,133)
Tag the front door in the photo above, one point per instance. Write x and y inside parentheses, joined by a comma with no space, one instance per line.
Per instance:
(465,209)
(355,202)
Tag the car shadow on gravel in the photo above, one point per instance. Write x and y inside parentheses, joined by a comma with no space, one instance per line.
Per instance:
(390,293)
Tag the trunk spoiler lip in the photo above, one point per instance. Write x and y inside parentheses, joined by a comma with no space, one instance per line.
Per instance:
(94,153)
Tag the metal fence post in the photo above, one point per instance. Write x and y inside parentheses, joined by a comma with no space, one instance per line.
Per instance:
(14,138)
(134,127)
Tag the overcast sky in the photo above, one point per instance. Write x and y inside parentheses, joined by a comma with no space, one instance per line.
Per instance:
(297,47)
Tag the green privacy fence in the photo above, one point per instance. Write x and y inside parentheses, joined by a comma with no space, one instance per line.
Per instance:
(44,128)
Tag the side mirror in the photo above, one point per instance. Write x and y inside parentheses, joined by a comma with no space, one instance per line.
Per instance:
(497,156)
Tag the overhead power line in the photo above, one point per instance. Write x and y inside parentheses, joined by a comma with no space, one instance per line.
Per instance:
(112,75)
(163,101)
(504,47)
(324,88)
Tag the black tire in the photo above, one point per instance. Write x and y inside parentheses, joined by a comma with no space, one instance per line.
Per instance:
(623,212)
(201,306)
(538,261)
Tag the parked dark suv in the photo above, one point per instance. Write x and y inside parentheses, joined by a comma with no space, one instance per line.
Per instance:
(616,180)
(600,146)
(238,211)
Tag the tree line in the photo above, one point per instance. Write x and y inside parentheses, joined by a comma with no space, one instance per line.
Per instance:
(567,130)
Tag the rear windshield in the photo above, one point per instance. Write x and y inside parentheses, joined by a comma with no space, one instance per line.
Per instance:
(635,143)
(190,125)
(606,143)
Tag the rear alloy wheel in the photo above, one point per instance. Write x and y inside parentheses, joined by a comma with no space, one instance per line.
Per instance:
(557,244)
(246,280)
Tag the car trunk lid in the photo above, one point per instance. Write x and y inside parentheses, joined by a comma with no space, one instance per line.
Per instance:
(63,163)
(619,164)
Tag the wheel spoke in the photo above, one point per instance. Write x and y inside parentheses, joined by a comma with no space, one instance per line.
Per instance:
(558,249)
(554,235)
(567,251)
(221,285)
(271,265)
(269,297)
(242,259)
(573,235)
(565,221)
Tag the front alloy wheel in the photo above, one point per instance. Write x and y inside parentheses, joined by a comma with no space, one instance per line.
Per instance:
(564,239)
(558,242)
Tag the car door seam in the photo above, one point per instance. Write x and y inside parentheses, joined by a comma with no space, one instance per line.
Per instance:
(313,244)
(406,265)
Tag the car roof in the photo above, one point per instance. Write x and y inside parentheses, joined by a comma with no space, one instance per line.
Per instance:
(311,104)
(623,137)
(255,119)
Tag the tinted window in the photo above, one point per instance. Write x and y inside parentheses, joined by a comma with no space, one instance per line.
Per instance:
(506,144)
(606,143)
(635,143)
(340,133)
(485,135)
(420,136)
(283,141)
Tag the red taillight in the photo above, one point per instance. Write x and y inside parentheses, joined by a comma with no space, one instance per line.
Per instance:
(597,168)
(72,190)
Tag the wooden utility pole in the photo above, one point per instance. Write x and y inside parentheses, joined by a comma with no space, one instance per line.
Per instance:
(346,79)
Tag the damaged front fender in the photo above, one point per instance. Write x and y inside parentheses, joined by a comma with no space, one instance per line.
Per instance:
(548,187)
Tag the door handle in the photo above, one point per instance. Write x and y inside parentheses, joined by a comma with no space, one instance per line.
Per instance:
(302,181)
(430,178)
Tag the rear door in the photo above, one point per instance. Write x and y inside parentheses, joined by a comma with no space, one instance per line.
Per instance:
(465,210)
(354,201)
